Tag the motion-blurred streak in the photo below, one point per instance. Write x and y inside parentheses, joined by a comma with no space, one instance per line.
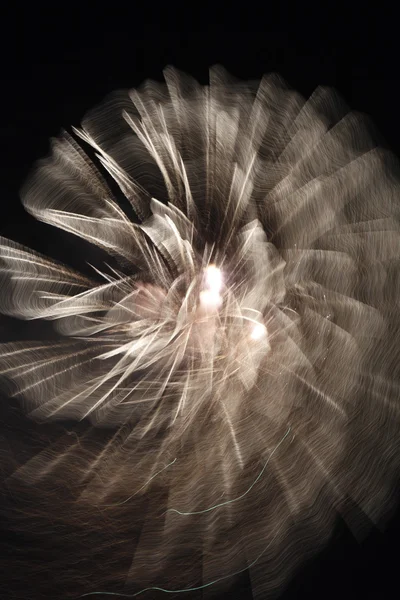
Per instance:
(236,361)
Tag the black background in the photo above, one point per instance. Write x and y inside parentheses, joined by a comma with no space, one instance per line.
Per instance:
(57,62)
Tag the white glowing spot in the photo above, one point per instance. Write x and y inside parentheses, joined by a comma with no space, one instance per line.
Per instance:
(213,279)
(210,300)
(210,297)
(259,331)
(197,370)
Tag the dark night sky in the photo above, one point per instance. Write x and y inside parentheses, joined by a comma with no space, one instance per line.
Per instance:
(56,66)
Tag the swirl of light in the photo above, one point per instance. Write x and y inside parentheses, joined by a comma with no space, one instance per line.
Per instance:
(244,348)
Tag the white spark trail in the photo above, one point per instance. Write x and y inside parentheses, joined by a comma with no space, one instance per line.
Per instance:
(251,281)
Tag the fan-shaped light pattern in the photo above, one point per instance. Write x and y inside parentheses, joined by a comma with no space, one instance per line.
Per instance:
(245,351)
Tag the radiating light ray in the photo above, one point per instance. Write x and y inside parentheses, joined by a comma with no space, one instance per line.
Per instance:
(189,589)
(143,486)
(199,512)
(255,285)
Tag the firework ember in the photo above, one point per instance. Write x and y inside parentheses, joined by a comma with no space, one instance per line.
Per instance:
(240,346)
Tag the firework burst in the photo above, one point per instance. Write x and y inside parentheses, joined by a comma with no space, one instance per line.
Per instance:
(242,342)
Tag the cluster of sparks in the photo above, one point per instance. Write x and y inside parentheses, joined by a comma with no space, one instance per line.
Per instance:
(243,327)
